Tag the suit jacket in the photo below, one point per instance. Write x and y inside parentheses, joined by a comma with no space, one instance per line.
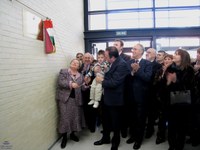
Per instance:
(156,67)
(140,81)
(113,83)
(125,57)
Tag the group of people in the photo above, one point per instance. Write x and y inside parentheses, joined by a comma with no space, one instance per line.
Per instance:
(128,94)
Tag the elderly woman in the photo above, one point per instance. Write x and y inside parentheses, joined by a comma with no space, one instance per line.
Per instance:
(69,98)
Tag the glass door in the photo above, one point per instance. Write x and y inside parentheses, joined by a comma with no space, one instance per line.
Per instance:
(96,45)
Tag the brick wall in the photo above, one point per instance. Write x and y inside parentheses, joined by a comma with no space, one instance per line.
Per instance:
(28,113)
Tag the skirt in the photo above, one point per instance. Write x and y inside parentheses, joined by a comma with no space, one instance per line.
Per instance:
(71,117)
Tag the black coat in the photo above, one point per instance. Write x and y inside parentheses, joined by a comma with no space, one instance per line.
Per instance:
(113,83)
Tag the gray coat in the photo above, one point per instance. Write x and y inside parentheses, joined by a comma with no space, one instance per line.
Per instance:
(63,87)
(71,116)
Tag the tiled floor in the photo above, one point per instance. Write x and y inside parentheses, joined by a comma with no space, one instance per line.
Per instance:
(87,139)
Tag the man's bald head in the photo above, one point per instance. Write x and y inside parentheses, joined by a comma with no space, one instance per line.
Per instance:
(151,54)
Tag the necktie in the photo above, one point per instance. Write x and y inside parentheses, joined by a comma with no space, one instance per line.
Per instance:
(136,61)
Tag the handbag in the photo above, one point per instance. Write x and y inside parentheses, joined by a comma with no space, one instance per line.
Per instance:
(180,97)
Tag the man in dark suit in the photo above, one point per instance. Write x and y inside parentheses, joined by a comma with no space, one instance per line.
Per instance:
(90,113)
(141,72)
(119,44)
(152,100)
(113,84)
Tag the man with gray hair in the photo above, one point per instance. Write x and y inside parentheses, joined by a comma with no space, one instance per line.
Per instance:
(140,77)
(152,114)
(90,113)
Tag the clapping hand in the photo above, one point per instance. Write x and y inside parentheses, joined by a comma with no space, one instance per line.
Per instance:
(135,67)
(171,77)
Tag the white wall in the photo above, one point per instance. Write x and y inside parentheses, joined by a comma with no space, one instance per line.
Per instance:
(28,112)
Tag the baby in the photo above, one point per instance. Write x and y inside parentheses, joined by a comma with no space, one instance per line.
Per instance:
(99,69)
(96,88)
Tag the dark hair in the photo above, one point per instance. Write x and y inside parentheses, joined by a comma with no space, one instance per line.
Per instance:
(161,51)
(185,58)
(79,54)
(168,55)
(112,51)
(101,52)
(121,42)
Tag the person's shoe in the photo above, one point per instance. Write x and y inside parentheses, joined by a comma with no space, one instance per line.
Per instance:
(91,102)
(149,133)
(96,104)
(160,140)
(136,145)
(101,142)
(74,137)
(64,142)
(130,140)
(124,133)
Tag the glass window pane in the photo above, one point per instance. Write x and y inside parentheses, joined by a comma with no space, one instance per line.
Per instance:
(145,23)
(122,20)
(184,18)
(172,3)
(177,42)
(128,4)
(130,20)
(180,18)
(96,47)
(130,44)
(183,2)
(145,43)
(162,42)
(184,42)
(97,22)
(161,3)
(125,4)
(145,3)
(96,5)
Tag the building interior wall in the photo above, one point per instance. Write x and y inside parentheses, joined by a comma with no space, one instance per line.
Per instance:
(28,110)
